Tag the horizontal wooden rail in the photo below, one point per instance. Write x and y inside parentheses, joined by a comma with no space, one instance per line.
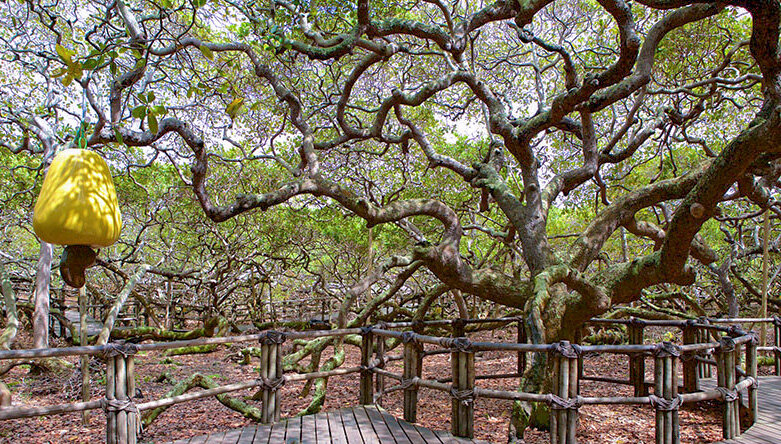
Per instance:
(566,359)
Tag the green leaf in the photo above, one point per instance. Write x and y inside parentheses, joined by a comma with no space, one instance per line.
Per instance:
(64,53)
(206,52)
(118,136)
(233,108)
(67,80)
(139,112)
(152,123)
(159,110)
(60,72)
(77,70)
(141,97)
(90,64)
(150,97)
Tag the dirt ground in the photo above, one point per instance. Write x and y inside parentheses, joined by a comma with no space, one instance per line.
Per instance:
(598,424)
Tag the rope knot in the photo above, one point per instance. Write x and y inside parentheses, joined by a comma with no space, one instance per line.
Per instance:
(272,384)
(461,344)
(729,395)
(558,403)
(727,344)
(409,336)
(465,397)
(667,349)
(272,337)
(117,405)
(567,350)
(114,349)
(365,330)
(408,383)
(666,405)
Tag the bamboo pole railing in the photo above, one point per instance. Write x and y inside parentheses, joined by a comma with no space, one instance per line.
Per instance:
(702,337)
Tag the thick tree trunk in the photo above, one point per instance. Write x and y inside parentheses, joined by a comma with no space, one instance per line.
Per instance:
(11,327)
(11,314)
(43,278)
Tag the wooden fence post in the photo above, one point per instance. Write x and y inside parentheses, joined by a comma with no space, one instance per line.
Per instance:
(703,335)
(665,399)
(565,400)
(413,365)
(122,420)
(725,359)
(462,362)
(637,360)
(367,349)
(691,380)
(272,377)
(379,380)
(521,340)
(777,343)
(751,372)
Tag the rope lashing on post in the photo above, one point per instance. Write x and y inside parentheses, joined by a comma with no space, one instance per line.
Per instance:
(666,405)
(754,381)
(409,336)
(456,345)
(567,350)
(408,383)
(559,403)
(271,384)
(667,349)
(116,405)
(114,349)
(272,337)
(365,330)
(465,397)
(777,320)
(728,395)
(727,344)
(735,331)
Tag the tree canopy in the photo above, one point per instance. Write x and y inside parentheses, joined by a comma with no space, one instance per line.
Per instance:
(557,157)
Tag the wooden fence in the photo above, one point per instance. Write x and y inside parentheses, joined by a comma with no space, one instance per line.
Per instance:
(726,344)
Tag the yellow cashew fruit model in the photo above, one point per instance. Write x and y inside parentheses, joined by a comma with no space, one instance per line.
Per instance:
(78,208)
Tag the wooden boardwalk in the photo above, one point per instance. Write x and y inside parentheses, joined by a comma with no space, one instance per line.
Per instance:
(767,429)
(354,425)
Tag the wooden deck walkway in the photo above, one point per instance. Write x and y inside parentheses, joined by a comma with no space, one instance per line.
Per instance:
(354,425)
(370,425)
(767,429)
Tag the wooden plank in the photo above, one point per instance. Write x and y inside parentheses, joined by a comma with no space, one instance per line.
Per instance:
(248,435)
(198,439)
(215,438)
(351,429)
(412,434)
(385,433)
(293,429)
(231,436)
(277,434)
(336,427)
(369,433)
(308,430)
(322,431)
(428,435)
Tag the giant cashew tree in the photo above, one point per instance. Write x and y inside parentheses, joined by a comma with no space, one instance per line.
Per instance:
(460,123)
